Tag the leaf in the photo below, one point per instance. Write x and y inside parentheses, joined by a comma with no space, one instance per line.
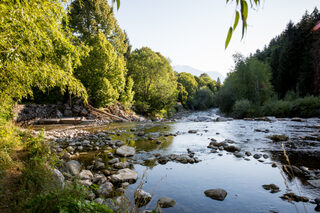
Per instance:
(244,27)
(236,20)
(244,10)
(228,37)
(118,4)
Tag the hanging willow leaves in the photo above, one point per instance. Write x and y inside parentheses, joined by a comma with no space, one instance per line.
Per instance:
(243,11)
(228,37)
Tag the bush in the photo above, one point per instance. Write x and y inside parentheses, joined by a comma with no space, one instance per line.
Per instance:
(278,109)
(242,109)
(306,107)
(202,100)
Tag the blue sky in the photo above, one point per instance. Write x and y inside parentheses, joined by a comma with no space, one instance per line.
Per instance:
(193,32)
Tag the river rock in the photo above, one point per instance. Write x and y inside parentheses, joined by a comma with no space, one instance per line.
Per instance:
(272,187)
(99,165)
(86,182)
(124,175)
(192,131)
(126,151)
(248,153)
(232,148)
(85,175)
(315,183)
(121,165)
(216,194)
(163,160)
(257,156)
(113,161)
(59,177)
(238,154)
(141,198)
(166,202)
(99,179)
(73,167)
(105,190)
(277,138)
(293,197)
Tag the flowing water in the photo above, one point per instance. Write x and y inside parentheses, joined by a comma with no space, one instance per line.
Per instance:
(242,179)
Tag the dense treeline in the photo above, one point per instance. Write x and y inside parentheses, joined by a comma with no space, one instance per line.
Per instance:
(280,80)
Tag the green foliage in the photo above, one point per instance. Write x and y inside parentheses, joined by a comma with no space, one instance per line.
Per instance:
(278,109)
(155,85)
(189,82)
(306,107)
(242,108)
(35,50)
(250,80)
(103,70)
(203,99)
(182,94)
(128,94)
(71,199)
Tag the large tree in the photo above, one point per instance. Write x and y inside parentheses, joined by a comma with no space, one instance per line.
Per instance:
(103,71)
(155,83)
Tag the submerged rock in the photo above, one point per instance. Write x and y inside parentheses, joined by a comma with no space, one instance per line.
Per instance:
(293,197)
(141,198)
(272,187)
(257,156)
(216,194)
(166,202)
(277,138)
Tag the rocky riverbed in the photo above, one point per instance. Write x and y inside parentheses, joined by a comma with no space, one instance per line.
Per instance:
(199,163)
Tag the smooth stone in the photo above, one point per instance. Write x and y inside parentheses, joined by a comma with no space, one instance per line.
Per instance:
(141,198)
(126,151)
(166,202)
(216,194)
(59,177)
(85,182)
(121,165)
(99,165)
(124,175)
(257,156)
(113,161)
(99,179)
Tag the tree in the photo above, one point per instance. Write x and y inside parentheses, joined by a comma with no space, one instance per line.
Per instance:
(35,50)
(155,84)
(103,71)
(189,82)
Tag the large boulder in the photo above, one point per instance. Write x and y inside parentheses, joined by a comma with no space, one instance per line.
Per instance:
(124,175)
(141,198)
(73,167)
(166,202)
(105,190)
(216,194)
(126,151)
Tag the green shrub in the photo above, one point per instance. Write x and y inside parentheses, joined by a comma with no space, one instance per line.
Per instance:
(306,107)
(71,199)
(278,109)
(242,108)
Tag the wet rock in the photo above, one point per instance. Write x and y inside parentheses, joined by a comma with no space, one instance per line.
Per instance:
(125,151)
(141,198)
(317,201)
(317,208)
(274,165)
(277,138)
(232,148)
(257,156)
(59,177)
(272,187)
(293,197)
(158,142)
(192,131)
(296,119)
(248,154)
(166,202)
(124,175)
(163,160)
(113,161)
(85,175)
(265,156)
(73,167)
(315,183)
(140,134)
(239,155)
(216,194)
(121,165)
(105,190)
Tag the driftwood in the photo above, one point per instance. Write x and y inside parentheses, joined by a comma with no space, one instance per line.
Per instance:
(91,108)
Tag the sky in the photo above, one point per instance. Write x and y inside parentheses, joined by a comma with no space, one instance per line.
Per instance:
(193,32)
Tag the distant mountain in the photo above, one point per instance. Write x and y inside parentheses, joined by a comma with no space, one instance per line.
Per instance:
(184,68)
